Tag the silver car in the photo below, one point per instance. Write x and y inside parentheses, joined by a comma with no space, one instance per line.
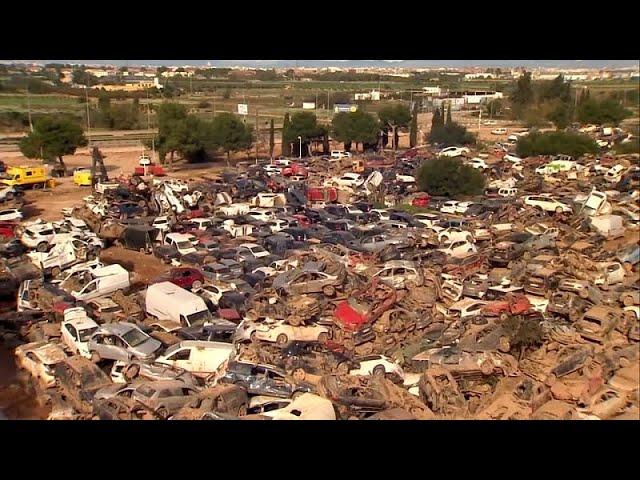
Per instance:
(122,341)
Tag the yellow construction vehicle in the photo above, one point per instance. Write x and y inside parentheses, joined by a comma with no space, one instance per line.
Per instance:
(358,165)
(26,176)
(82,178)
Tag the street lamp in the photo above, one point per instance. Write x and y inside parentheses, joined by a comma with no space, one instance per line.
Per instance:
(300,138)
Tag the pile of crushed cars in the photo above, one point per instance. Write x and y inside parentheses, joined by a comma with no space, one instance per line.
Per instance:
(288,294)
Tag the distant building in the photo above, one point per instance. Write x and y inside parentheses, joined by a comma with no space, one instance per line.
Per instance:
(133,86)
(472,76)
(432,90)
(372,95)
(344,107)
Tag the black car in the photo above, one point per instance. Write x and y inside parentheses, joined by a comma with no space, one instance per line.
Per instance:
(298,234)
(12,248)
(166,253)
(195,259)
(336,210)
(126,209)
(263,380)
(337,238)
(317,215)
(364,206)
(315,358)
(79,379)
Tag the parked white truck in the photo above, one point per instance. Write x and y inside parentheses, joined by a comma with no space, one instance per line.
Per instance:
(63,256)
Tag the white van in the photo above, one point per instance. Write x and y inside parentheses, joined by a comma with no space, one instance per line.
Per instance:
(508,192)
(167,301)
(201,358)
(609,226)
(338,154)
(102,281)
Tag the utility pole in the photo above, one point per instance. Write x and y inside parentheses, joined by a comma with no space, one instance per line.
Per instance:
(86,96)
(479,121)
(257,136)
(153,138)
(29,109)
(214,105)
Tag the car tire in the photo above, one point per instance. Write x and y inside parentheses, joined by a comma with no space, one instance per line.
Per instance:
(627,301)
(163,413)
(282,339)
(42,247)
(55,271)
(254,337)
(196,285)
(487,367)
(584,294)
(379,371)
(558,209)
(504,316)
(323,337)
(503,345)
(329,290)
(342,368)
(299,374)
(131,372)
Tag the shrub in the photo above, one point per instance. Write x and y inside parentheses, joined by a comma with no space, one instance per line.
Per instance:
(449,177)
(451,134)
(553,143)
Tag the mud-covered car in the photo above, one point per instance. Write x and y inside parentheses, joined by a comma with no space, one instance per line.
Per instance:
(300,281)
(259,379)
(599,323)
(464,364)
(567,305)
(78,379)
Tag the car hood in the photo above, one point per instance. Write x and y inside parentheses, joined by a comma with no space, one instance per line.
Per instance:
(146,348)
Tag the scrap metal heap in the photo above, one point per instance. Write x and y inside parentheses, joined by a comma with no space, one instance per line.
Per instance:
(288,295)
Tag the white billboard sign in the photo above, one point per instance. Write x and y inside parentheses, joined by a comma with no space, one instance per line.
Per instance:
(243,109)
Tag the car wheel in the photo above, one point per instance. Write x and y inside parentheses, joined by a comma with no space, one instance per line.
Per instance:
(42,247)
(282,339)
(242,410)
(163,413)
(487,367)
(624,362)
(627,301)
(95,357)
(323,337)
(504,316)
(583,294)
(558,209)
(379,371)
(503,345)
(328,290)
(196,285)
(444,239)
(131,372)
(342,368)
(299,374)
(55,271)
(254,337)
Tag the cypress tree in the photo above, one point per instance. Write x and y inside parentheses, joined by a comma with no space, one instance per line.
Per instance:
(286,146)
(435,120)
(413,135)
(449,115)
(272,139)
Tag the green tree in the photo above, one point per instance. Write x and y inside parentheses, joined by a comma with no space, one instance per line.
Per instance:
(556,89)
(605,112)
(272,138)
(451,134)
(171,119)
(304,125)
(394,117)
(553,143)
(124,117)
(449,120)
(449,177)
(286,145)
(560,115)
(226,94)
(436,118)
(358,127)
(523,95)
(80,76)
(413,136)
(231,134)
(52,138)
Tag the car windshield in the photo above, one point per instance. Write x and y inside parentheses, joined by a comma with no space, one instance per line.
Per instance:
(184,244)
(86,334)
(198,318)
(258,249)
(134,337)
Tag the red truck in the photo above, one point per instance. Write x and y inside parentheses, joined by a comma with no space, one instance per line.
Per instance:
(8,230)
(295,169)
(508,305)
(421,200)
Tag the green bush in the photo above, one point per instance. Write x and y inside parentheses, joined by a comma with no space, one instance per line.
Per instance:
(449,177)
(451,134)
(605,112)
(627,148)
(553,143)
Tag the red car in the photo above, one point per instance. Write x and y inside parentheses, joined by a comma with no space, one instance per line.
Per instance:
(8,230)
(184,277)
(294,169)
(508,305)
(303,220)
(421,201)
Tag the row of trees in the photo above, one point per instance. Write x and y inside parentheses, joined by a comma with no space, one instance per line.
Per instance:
(445,131)
(553,101)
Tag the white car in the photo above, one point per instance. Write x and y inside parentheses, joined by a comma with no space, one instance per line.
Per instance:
(499,131)
(144,160)
(458,249)
(512,159)
(339,154)
(405,178)
(307,406)
(546,204)
(213,292)
(449,206)
(277,225)
(352,210)
(272,170)
(427,219)
(76,330)
(161,223)
(465,308)
(281,333)
(352,180)
(614,174)
(377,365)
(462,207)
(10,214)
(454,151)
(380,214)
(39,359)
(478,163)
(282,162)
(453,234)
(252,250)
(262,215)
(181,241)
(543,229)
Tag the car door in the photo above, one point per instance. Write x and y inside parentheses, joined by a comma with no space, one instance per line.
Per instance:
(107,347)
(276,384)
(181,359)
(386,275)
(70,337)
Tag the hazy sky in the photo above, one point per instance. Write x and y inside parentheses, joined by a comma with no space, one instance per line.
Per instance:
(359,63)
